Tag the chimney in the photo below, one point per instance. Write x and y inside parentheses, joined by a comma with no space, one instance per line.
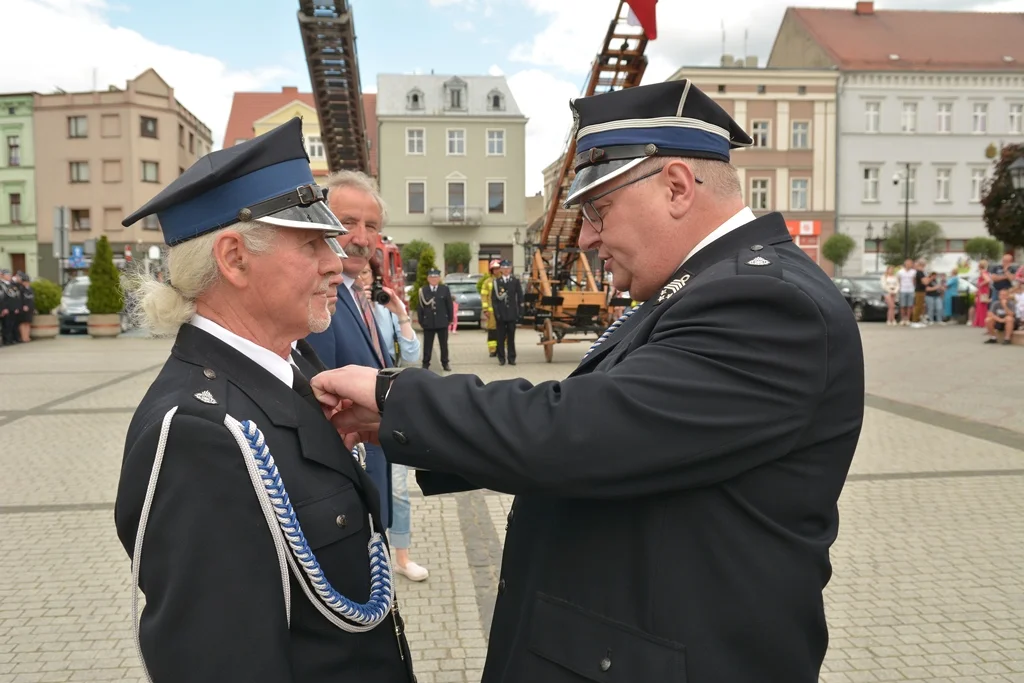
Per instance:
(865,7)
(751,62)
(728,60)
(290,90)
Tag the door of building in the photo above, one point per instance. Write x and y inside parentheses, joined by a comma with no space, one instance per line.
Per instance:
(18,263)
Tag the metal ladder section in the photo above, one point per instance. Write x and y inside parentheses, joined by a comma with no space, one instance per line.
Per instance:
(620,64)
(329,39)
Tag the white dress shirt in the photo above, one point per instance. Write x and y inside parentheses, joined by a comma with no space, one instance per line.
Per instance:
(349,282)
(265,358)
(742,217)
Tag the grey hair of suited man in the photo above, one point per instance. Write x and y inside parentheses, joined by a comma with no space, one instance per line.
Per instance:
(359,181)
(719,177)
(163,307)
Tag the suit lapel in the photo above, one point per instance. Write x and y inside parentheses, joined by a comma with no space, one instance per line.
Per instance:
(357,315)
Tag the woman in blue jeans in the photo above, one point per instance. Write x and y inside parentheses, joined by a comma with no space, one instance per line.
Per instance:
(394,324)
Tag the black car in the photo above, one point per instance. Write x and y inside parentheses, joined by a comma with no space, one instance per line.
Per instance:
(465,294)
(865,297)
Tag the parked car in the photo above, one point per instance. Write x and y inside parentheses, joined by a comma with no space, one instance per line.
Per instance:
(865,297)
(73,315)
(465,294)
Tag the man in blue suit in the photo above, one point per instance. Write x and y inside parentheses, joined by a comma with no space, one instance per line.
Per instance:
(353,337)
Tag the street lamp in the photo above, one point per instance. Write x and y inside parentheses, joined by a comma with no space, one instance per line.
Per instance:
(885,237)
(906,208)
(1016,170)
(869,231)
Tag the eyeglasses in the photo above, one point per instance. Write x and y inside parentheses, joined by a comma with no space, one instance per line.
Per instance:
(594,217)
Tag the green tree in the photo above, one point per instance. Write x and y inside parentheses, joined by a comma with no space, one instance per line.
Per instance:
(426,262)
(838,248)
(979,248)
(105,295)
(926,240)
(411,254)
(47,295)
(1003,206)
(456,257)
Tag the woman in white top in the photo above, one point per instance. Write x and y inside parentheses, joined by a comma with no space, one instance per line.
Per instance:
(891,287)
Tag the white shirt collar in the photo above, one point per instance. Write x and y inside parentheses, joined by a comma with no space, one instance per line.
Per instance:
(348,282)
(265,358)
(742,217)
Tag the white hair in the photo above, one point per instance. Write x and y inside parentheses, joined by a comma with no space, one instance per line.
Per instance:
(718,176)
(359,181)
(164,307)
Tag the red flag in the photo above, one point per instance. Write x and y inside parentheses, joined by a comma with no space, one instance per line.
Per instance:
(644,11)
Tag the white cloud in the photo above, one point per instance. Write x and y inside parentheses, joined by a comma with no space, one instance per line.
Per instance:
(544,99)
(80,41)
(463,25)
(495,70)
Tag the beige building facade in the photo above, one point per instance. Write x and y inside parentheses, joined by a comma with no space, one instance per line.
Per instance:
(102,155)
(452,164)
(791,168)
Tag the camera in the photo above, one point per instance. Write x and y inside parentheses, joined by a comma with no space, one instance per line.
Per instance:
(378,293)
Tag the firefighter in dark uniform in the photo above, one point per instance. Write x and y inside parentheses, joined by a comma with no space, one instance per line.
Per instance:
(28,307)
(254,533)
(435,313)
(676,495)
(10,304)
(507,302)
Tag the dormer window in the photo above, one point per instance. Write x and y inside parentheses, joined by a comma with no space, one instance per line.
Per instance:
(414,100)
(495,101)
(455,94)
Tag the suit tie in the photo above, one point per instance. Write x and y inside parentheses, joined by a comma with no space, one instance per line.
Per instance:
(301,385)
(364,304)
(611,328)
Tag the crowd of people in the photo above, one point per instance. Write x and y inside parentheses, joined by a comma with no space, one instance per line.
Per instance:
(17,306)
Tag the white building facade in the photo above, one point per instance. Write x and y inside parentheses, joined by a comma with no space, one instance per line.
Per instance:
(944,125)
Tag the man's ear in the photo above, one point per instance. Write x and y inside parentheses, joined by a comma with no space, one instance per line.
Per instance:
(232,258)
(682,187)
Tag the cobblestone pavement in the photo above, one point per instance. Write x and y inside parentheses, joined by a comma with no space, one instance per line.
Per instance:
(927,582)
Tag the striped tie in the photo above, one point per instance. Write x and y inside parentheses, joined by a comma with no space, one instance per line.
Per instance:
(611,329)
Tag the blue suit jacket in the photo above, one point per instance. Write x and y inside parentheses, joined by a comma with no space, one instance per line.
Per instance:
(347,342)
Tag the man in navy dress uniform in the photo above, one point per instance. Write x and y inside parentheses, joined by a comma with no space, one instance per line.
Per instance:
(246,517)
(676,494)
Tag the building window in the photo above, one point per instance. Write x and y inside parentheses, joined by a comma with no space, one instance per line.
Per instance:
(759,133)
(455,94)
(191,143)
(456,200)
(977,183)
(942,178)
(80,219)
(495,143)
(944,124)
(181,136)
(496,196)
(14,150)
(872,115)
(315,147)
(801,135)
(759,193)
(150,222)
(721,88)
(150,172)
(1016,118)
(908,120)
(456,142)
(15,207)
(415,141)
(956,245)
(908,186)
(871,184)
(77,127)
(496,101)
(148,127)
(79,171)
(762,89)
(798,194)
(417,197)
(414,100)
(979,122)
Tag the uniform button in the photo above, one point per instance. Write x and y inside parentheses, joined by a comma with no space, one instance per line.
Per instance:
(606,663)
(756,247)
(501,586)
(399,437)
(341,521)
(210,374)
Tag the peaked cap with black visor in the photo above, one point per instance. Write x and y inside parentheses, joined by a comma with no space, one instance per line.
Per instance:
(616,131)
(266,179)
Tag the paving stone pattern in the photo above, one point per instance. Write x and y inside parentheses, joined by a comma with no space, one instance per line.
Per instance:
(928,582)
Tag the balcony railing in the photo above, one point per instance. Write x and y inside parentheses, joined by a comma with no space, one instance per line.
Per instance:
(456,215)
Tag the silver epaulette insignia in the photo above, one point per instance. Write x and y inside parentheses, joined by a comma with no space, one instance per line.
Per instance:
(673,287)
(206,397)
(759,261)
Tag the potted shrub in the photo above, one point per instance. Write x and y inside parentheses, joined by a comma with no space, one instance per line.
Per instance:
(105,299)
(44,322)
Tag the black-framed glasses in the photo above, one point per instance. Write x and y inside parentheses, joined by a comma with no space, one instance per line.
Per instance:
(594,217)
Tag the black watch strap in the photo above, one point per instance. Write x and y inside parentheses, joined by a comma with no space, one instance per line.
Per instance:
(385,377)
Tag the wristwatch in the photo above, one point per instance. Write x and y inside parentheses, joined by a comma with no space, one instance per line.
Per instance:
(385,377)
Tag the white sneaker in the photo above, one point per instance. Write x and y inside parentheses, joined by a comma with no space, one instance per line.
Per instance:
(412,571)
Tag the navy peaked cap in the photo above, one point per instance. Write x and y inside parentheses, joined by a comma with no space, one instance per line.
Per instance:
(615,131)
(267,179)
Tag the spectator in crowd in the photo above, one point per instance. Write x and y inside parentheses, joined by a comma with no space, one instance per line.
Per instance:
(952,294)
(906,277)
(891,287)
(1003,274)
(983,296)
(920,290)
(1000,318)
(934,289)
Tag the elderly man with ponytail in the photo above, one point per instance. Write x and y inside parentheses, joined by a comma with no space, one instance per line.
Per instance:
(254,534)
